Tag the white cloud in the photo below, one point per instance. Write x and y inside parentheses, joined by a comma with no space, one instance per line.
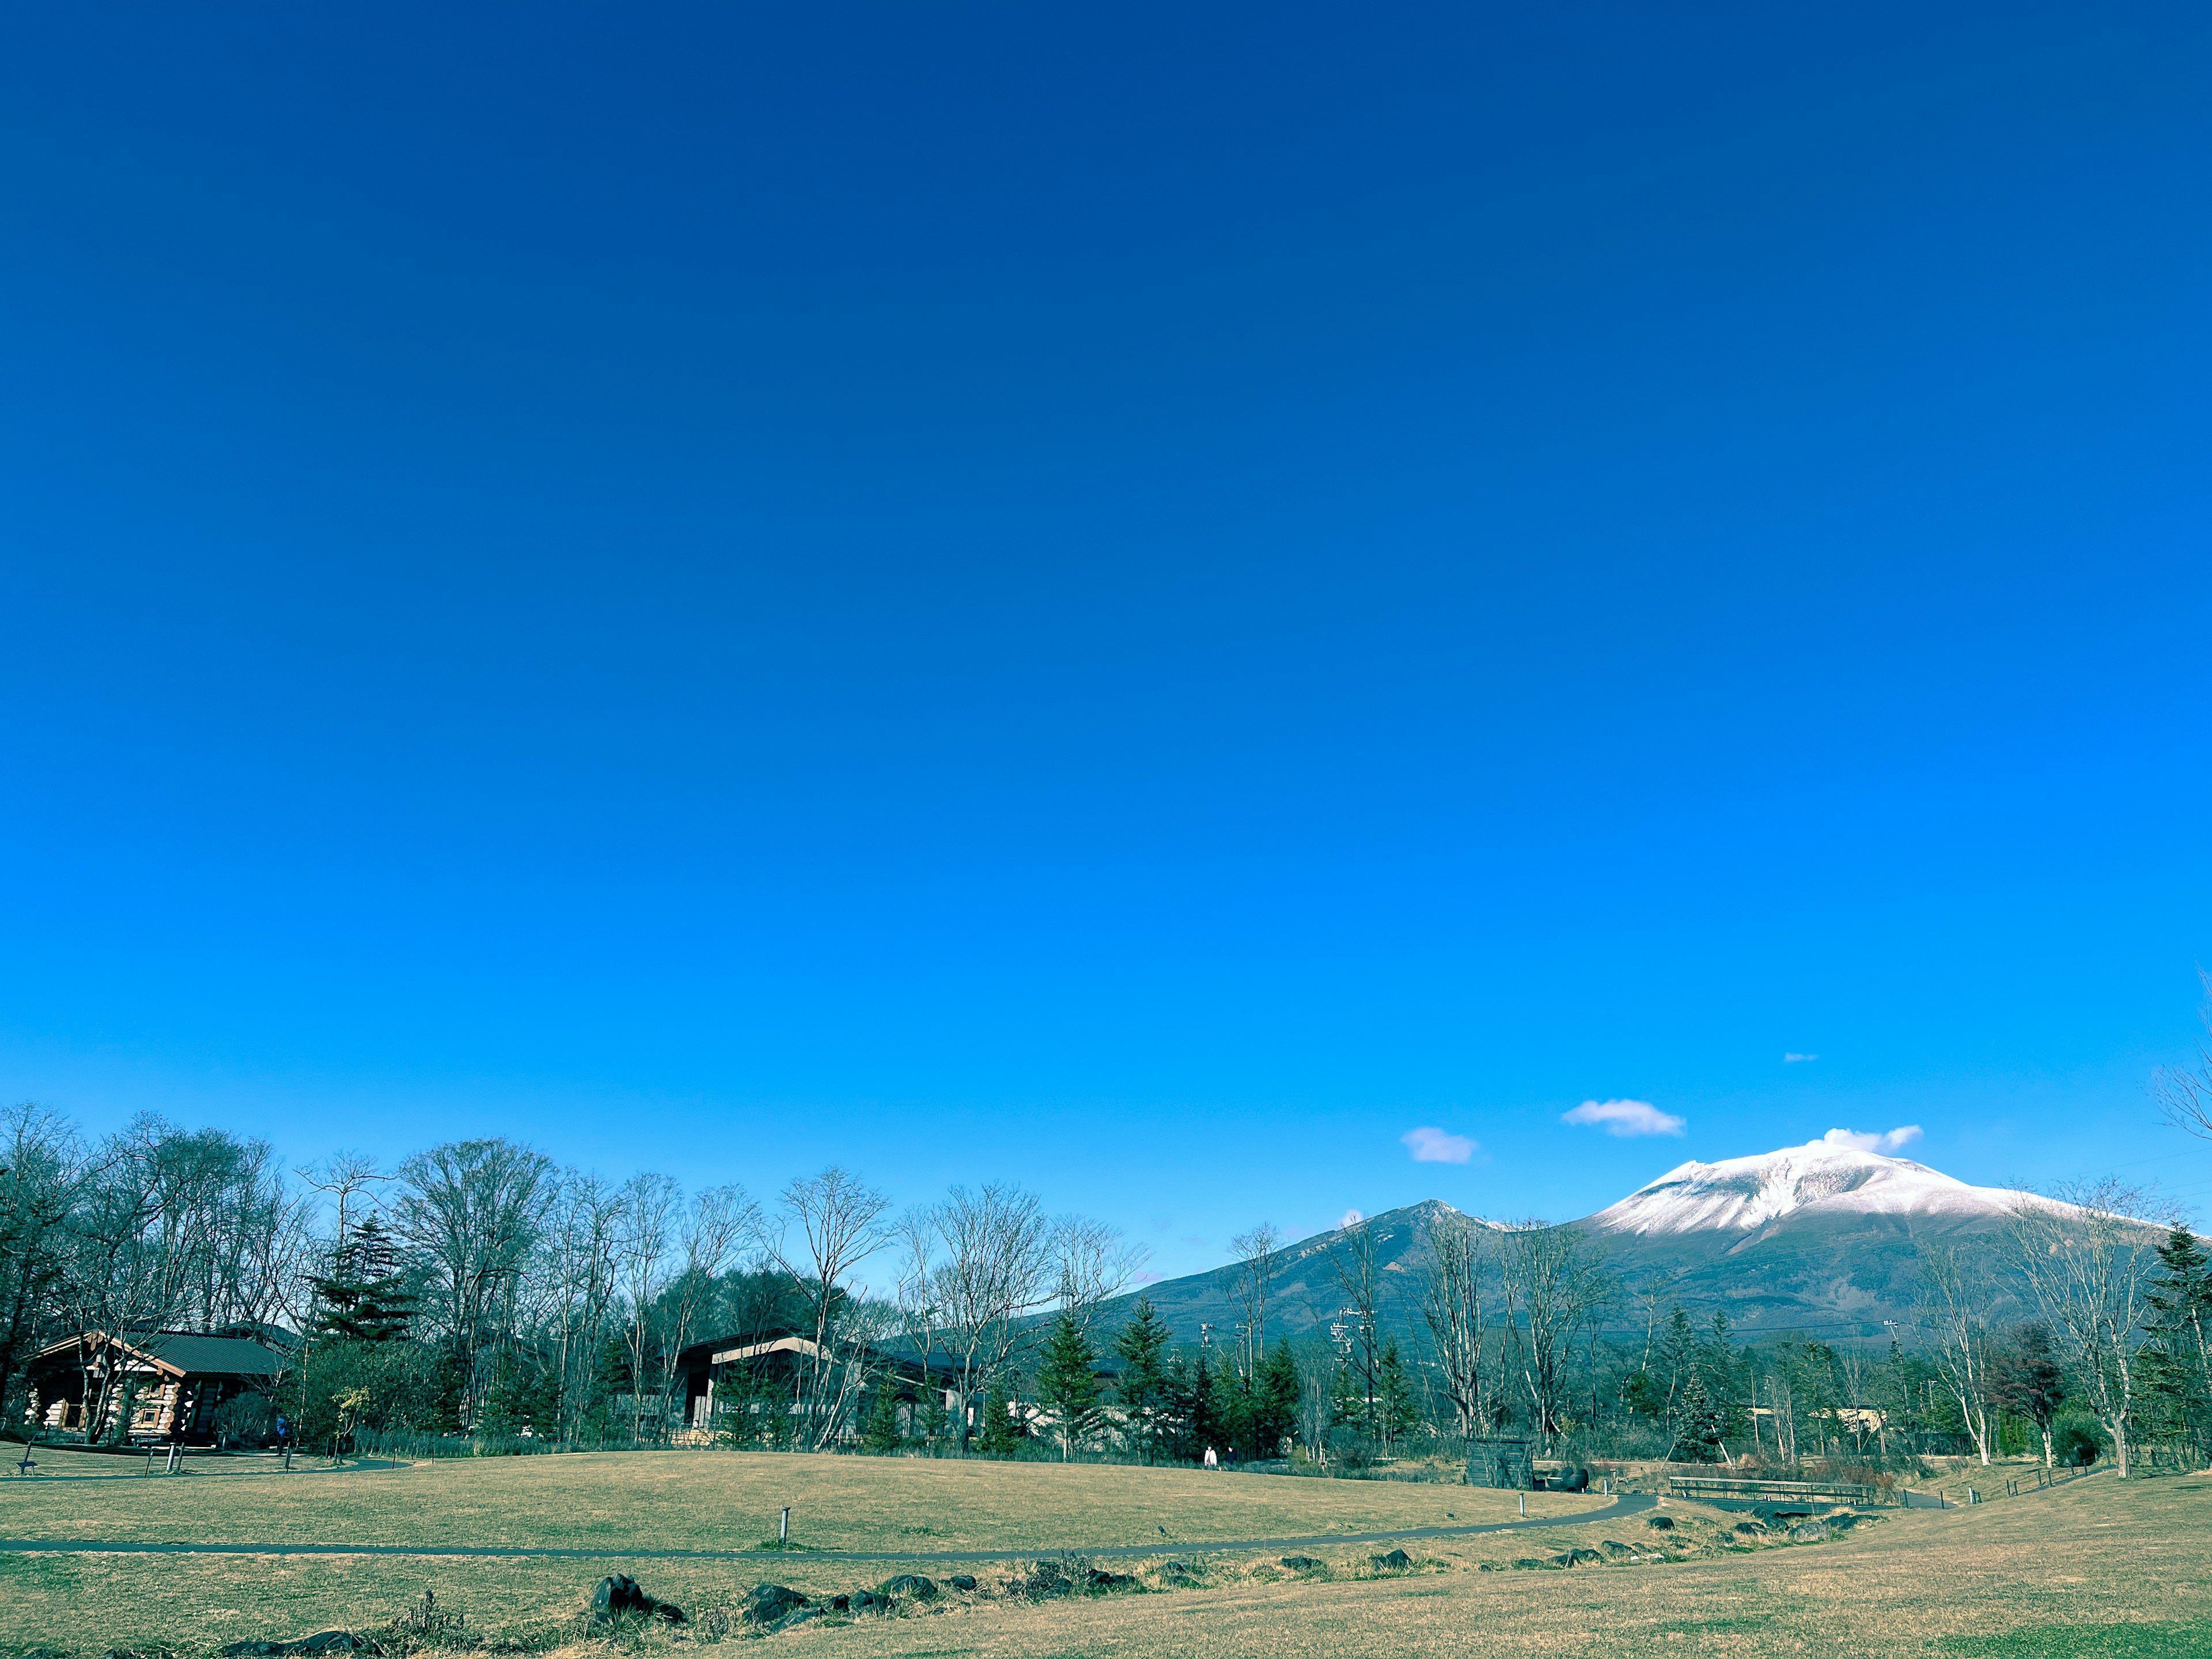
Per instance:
(1431,1146)
(1351,1218)
(1626,1117)
(1794,1060)
(1889,1141)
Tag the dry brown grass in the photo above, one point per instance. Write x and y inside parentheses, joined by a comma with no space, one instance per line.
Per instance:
(2096,1554)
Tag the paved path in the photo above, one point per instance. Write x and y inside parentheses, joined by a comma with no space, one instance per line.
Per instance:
(1621,1508)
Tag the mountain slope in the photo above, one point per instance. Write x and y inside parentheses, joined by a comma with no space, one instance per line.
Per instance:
(1822,1239)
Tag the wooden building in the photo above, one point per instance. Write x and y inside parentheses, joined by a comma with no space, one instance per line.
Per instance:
(171,1382)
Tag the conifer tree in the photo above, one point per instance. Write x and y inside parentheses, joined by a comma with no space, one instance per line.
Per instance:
(364,1299)
(1067,1383)
(2179,1360)
(1142,1346)
(1275,1400)
(1002,1430)
(1394,1397)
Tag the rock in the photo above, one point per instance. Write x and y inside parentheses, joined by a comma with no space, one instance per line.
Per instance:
(868,1601)
(1098,1579)
(795,1618)
(909,1584)
(961,1581)
(1531,1563)
(1304,1563)
(841,1603)
(765,1603)
(1661,1524)
(618,1594)
(1577,1558)
(1396,1561)
(1808,1532)
(1754,1527)
(1617,1548)
(328,1641)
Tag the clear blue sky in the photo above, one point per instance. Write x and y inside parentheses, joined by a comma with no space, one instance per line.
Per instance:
(1141,599)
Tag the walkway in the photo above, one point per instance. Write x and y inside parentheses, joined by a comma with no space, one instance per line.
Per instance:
(1619,1509)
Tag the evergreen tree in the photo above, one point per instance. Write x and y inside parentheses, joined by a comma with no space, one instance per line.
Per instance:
(1142,1346)
(364,1299)
(1002,1430)
(1697,1423)
(1276,1402)
(1067,1384)
(881,1434)
(1393,1415)
(2180,1358)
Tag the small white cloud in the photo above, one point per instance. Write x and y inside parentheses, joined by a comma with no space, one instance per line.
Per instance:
(1888,1141)
(1797,1060)
(1351,1218)
(1626,1117)
(1431,1146)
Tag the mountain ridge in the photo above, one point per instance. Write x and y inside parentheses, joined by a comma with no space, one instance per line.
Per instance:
(1827,1236)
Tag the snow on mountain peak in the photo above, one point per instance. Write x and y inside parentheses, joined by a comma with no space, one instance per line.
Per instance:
(1741,1193)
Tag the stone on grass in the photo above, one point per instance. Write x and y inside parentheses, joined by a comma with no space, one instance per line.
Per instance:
(618,1594)
(1753,1527)
(909,1584)
(1661,1524)
(1617,1547)
(961,1581)
(1577,1558)
(328,1641)
(765,1603)
(1808,1532)
(1396,1561)
(1304,1563)
(1099,1579)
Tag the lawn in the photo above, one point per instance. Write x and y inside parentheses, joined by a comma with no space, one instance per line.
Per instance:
(2094,1570)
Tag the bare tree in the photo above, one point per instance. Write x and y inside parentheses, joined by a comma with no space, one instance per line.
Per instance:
(1951,1315)
(471,1212)
(1258,1254)
(1092,1263)
(578,1261)
(2086,1255)
(1555,1282)
(1451,1304)
(839,1224)
(2184,1093)
(1354,1256)
(719,1221)
(42,1169)
(646,1208)
(991,1251)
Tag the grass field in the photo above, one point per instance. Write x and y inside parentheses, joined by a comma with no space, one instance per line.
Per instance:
(2095,1570)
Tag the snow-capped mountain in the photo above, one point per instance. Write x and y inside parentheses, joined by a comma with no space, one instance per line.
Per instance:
(1824,1238)
(1739,1194)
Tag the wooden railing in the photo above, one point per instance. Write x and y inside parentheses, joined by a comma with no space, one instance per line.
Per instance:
(1691,1485)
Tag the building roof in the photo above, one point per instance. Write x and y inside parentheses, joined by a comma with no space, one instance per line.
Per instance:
(186,1352)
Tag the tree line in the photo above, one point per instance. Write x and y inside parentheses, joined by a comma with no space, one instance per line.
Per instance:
(479,1288)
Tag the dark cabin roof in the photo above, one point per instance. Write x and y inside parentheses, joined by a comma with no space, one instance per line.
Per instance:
(185,1352)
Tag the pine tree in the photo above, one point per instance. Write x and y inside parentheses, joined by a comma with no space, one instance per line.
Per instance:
(1394,1397)
(2179,1360)
(1002,1430)
(1697,1423)
(1142,1346)
(881,1434)
(1276,1402)
(364,1299)
(1067,1383)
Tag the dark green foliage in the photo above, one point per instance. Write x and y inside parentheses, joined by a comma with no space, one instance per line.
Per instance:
(364,1299)
(2177,1363)
(1002,1430)
(879,1432)
(1274,1401)
(1696,1422)
(1067,1384)
(2078,1442)
(1394,1414)
(1142,1346)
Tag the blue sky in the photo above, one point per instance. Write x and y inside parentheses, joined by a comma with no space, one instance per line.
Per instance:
(1139,599)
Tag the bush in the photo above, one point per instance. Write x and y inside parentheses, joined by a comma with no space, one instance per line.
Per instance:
(2077,1443)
